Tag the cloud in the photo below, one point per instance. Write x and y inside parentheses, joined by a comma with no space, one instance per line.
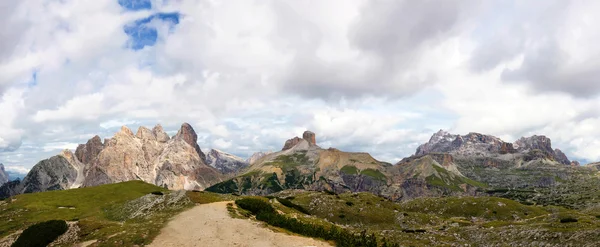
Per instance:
(375,76)
(556,45)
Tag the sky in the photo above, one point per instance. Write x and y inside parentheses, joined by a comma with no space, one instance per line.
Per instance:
(372,76)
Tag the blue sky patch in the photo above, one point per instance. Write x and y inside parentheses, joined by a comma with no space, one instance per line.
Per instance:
(142,34)
(134,5)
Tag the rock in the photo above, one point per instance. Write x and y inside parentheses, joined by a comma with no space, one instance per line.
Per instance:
(3,175)
(310,137)
(507,148)
(256,156)
(526,144)
(187,133)
(55,173)
(575,163)
(145,134)
(561,157)
(160,134)
(470,144)
(291,143)
(153,157)
(224,162)
(125,131)
(86,153)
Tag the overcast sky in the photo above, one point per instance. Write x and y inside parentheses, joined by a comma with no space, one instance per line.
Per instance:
(372,76)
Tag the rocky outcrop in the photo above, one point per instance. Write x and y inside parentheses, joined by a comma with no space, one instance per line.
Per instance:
(3,175)
(560,157)
(59,172)
(291,143)
(256,157)
(187,133)
(310,137)
(87,152)
(475,144)
(161,135)
(224,162)
(151,156)
(467,145)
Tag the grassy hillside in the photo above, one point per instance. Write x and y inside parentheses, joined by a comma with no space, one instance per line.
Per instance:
(104,213)
(447,221)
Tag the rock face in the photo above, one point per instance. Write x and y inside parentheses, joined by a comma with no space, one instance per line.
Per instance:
(475,144)
(256,156)
(309,136)
(291,143)
(224,162)
(151,156)
(89,151)
(59,172)
(3,175)
(470,144)
(187,133)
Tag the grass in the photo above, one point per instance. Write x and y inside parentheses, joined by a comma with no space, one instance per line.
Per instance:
(350,170)
(376,174)
(91,208)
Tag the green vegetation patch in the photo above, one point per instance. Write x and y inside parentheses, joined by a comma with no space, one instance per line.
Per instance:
(93,208)
(266,213)
(376,174)
(350,170)
(41,234)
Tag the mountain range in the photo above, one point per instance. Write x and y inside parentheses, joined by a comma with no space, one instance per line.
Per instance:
(448,164)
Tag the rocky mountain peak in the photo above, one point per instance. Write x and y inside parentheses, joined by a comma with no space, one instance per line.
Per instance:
(160,134)
(291,143)
(534,142)
(187,134)
(225,162)
(307,136)
(484,145)
(145,134)
(85,153)
(310,137)
(125,131)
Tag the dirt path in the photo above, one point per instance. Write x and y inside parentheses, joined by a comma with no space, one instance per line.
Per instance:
(211,225)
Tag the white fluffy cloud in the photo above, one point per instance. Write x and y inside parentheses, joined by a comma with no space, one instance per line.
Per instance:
(375,76)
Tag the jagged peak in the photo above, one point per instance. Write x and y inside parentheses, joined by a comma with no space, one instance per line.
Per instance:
(125,130)
(145,134)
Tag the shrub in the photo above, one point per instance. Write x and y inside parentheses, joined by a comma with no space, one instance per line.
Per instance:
(158,193)
(568,220)
(41,234)
(349,203)
(290,204)
(265,212)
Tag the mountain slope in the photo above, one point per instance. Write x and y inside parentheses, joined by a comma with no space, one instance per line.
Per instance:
(224,162)
(303,165)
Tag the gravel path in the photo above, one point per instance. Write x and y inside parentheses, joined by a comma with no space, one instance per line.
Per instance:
(211,225)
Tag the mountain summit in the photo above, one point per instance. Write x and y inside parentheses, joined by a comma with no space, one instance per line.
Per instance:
(149,155)
(475,144)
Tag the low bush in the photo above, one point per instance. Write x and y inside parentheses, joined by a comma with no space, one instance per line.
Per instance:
(568,220)
(349,203)
(290,204)
(265,212)
(158,193)
(41,234)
